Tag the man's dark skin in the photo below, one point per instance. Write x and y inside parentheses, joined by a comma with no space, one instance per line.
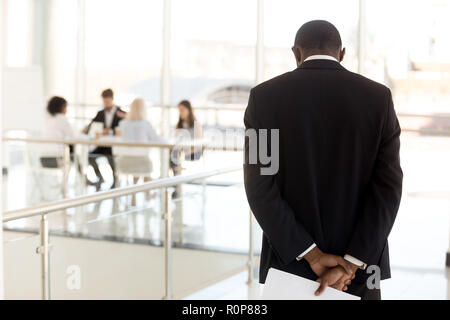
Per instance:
(332,270)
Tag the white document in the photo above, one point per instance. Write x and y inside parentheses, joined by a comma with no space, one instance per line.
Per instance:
(281,285)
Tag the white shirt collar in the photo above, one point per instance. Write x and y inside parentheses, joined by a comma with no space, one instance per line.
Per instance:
(320,57)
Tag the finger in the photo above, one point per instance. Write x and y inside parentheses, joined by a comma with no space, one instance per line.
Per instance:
(338,286)
(345,264)
(329,260)
(348,282)
(345,288)
(322,287)
(341,285)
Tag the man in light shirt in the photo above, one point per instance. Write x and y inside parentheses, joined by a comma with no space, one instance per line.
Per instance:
(327,212)
(110,117)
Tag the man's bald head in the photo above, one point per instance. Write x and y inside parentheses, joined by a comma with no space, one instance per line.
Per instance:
(318,37)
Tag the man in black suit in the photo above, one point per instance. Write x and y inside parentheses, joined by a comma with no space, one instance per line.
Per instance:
(328,210)
(110,117)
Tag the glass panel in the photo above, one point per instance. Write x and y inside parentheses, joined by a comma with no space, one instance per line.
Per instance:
(19,33)
(425,204)
(35,177)
(123,49)
(211,233)
(113,250)
(422,223)
(412,58)
(213,60)
(63,32)
(280,33)
(106,251)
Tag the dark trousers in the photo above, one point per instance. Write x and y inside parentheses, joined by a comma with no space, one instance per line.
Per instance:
(361,290)
(98,153)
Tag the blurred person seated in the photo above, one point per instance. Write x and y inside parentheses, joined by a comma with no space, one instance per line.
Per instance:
(188,130)
(110,117)
(56,127)
(135,160)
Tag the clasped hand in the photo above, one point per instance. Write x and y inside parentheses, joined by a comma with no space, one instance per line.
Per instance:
(333,271)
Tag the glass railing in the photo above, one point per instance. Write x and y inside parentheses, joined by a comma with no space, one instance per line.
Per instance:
(98,246)
(23,154)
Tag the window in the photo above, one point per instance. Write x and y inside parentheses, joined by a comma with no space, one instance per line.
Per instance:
(284,17)
(123,49)
(19,33)
(213,48)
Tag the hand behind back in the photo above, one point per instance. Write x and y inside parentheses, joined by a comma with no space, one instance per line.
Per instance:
(332,270)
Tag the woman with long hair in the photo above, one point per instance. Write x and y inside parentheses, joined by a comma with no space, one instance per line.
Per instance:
(136,128)
(187,130)
(187,118)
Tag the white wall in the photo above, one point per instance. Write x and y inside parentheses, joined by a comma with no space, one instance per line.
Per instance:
(23,102)
(23,99)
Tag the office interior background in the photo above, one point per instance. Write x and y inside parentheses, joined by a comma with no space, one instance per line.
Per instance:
(211,52)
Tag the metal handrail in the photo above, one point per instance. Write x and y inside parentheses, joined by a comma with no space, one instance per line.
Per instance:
(110,194)
(45,209)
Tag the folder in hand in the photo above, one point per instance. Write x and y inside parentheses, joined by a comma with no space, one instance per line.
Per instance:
(281,285)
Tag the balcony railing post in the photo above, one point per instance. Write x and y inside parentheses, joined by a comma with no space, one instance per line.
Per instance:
(66,168)
(44,251)
(250,250)
(168,247)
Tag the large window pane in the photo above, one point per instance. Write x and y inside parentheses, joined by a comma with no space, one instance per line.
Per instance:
(123,48)
(19,33)
(411,54)
(284,17)
(62,49)
(213,50)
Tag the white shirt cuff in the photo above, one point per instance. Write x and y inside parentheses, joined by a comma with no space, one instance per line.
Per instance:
(300,257)
(355,261)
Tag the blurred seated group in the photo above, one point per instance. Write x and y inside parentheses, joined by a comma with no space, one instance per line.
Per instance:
(133,127)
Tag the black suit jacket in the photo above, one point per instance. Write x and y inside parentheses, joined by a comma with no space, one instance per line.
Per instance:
(339,181)
(100,117)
